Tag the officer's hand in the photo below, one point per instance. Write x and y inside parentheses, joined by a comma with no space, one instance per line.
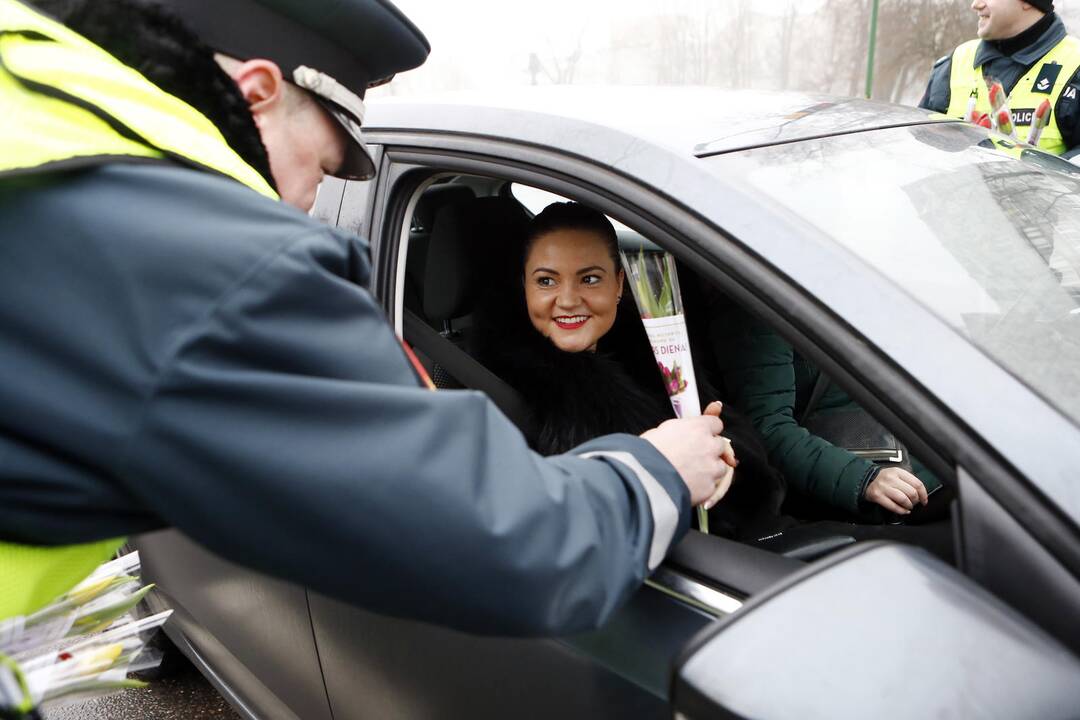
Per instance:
(697,451)
(896,490)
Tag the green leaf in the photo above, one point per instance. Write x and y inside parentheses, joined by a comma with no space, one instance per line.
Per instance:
(103,617)
(667,306)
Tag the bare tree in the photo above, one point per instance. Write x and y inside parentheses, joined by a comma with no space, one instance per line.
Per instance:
(930,29)
(739,40)
(564,66)
(787,42)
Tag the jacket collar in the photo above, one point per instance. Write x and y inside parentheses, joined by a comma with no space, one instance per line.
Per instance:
(989,51)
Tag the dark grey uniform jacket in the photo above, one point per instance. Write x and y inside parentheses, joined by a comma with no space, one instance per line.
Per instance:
(177,350)
(1008,69)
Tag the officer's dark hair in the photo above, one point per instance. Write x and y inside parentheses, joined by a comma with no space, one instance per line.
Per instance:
(152,40)
(571,216)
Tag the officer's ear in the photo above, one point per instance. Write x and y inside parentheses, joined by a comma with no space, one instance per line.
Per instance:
(260,82)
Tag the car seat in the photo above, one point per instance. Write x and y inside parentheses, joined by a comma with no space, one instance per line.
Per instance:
(466,236)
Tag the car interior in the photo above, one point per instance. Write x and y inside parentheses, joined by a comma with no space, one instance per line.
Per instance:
(459,219)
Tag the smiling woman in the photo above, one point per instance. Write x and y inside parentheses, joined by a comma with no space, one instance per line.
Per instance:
(554,325)
(573,281)
(580,361)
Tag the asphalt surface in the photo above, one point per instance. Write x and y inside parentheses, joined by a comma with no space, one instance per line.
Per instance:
(182,695)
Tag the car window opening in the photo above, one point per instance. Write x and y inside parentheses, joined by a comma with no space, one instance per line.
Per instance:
(816,471)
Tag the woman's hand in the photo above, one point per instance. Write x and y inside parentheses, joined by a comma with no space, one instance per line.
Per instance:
(896,490)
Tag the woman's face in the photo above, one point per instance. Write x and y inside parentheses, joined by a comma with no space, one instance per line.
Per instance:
(572,288)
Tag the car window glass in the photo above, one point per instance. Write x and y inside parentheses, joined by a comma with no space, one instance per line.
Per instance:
(989,244)
(328,200)
(535,200)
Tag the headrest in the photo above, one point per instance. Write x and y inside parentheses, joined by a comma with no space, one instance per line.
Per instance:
(434,199)
(473,244)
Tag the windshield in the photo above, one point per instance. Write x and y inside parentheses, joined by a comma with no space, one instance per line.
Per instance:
(990,244)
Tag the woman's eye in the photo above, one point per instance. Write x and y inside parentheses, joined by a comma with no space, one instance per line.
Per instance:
(545,281)
(591,279)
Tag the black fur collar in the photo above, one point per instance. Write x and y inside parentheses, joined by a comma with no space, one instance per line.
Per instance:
(576,396)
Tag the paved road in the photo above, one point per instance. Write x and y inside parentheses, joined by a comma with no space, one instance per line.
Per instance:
(183,695)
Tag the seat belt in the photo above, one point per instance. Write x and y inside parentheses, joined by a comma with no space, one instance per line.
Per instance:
(466,369)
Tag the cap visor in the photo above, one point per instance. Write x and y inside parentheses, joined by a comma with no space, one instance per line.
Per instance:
(358,163)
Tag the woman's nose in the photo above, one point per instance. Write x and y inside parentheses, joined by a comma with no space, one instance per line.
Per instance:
(568,297)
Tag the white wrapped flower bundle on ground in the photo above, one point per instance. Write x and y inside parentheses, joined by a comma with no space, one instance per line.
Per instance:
(83,644)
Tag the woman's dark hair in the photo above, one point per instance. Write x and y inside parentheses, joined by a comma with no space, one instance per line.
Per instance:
(571,216)
(152,40)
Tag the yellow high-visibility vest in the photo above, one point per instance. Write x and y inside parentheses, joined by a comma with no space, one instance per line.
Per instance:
(66,102)
(1046,80)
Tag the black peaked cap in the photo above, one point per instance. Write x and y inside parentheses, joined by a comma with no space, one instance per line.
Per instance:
(357,42)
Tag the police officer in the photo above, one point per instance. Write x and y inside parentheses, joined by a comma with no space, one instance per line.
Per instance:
(178,349)
(1024,46)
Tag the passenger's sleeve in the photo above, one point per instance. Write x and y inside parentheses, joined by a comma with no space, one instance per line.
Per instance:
(759,371)
(289,434)
(938,93)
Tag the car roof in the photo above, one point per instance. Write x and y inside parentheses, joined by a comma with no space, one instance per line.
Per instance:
(694,121)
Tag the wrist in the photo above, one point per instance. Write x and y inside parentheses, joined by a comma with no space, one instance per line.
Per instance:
(871,474)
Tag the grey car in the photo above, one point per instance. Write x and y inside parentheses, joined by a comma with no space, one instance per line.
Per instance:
(930,268)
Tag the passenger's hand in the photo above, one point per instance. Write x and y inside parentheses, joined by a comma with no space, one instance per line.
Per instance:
(697,451)
(896,490)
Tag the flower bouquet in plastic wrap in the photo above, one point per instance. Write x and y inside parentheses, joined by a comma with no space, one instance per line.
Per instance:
(84,644)
(655,285)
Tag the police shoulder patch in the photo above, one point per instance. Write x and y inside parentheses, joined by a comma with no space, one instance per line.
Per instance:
(1048,75)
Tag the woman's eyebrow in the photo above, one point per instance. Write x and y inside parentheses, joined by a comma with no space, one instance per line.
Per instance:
(545,270)
(591,268)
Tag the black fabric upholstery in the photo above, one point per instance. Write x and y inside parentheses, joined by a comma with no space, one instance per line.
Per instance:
(467,239)
(433,199)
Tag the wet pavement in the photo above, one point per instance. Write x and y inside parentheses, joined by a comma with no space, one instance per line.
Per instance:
(183,695)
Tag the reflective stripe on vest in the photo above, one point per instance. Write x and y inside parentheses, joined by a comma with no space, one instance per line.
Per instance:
(65,99)
(1029,92)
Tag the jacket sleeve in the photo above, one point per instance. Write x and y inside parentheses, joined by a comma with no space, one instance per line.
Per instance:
(938,93)
(288,433)
(1067,113)
(759,371)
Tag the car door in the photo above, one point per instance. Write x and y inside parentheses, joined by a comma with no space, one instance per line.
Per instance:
(388,667)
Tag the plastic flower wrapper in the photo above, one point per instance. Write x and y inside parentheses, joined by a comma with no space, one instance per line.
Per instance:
(90,605)
(83,644)
(655,284)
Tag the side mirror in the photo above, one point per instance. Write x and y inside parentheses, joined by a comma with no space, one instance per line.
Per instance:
(881,631)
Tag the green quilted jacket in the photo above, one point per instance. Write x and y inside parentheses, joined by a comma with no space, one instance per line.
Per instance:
(767,380)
